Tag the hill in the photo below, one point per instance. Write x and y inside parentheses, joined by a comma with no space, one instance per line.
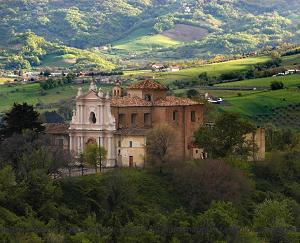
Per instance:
(26,51)
(153,29)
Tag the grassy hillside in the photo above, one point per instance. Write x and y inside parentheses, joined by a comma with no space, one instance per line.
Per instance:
(31,93)
(288,81)
(26,51)
(191,74)
(202,28)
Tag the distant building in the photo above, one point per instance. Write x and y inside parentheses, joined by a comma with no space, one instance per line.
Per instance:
(173,69)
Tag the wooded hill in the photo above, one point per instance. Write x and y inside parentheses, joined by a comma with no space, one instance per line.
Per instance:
(218,26)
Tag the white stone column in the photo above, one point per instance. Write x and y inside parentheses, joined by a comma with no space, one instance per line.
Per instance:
(71,142)
(101,141)
(110,152)
(82,115)
(101,116)
(78,144)
(82,144)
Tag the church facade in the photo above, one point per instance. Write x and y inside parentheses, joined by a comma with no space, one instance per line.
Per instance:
(120,123)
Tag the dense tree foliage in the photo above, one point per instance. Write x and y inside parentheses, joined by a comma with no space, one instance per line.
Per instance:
(233,26)
(226,137)
(21,117)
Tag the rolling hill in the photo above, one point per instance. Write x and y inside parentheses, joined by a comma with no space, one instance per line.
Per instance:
(154,29)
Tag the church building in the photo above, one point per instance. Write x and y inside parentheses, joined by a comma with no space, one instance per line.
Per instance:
(120,123)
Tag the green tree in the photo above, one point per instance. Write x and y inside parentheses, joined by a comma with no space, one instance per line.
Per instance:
(226,137)
(273,220)
(95,155)
(21,117)
(217,224)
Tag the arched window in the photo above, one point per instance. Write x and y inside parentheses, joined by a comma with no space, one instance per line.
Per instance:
(92,118)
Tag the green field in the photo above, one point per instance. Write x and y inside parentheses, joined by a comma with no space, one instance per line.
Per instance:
(262,102)
(142,40)
(288,81)
(59,61)
(30,93)
(215,69)
(291,60)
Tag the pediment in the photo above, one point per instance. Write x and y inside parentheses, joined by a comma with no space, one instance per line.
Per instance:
(91,95)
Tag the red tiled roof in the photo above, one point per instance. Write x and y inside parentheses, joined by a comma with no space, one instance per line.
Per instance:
(147,84)
(56,128)
(165,101)
(129,101)
(174,101)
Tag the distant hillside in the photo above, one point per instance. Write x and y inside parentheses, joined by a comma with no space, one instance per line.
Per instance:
(26,51)
(174,28)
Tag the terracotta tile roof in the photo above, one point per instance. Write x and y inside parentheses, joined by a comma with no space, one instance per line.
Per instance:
(147,84)
(174,101)
(165,101)
(129,101)
(56,128)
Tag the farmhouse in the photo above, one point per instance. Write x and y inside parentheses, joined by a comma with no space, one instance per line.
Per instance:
(120,123)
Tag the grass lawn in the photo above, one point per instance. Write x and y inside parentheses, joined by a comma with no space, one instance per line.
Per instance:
(289,81)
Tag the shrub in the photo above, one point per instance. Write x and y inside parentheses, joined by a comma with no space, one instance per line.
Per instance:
(275,85)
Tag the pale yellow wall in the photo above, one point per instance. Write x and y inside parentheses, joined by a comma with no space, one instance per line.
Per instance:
(197,153)
(137,93)
(259,139)
(125,151)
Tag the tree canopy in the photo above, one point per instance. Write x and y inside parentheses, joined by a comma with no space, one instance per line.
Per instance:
(227,136)
(21,117)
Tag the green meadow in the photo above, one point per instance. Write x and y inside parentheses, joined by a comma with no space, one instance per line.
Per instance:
(215,69)
(31,94)
(261,101)
(288,81)
(142,40)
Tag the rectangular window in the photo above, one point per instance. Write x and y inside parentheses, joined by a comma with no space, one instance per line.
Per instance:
(130,144)
(133,119)
(119,143)
(147,119)
(175,115)
(193,116)
(121,120)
